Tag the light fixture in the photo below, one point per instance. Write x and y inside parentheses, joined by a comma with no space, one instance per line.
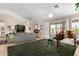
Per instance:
(50,15)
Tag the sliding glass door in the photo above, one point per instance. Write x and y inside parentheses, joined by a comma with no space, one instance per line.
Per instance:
(75,27)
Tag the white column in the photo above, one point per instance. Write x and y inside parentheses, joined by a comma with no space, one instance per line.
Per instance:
(68,24)
(46,30)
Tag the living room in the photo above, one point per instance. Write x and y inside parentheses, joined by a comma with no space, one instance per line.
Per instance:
(31,24)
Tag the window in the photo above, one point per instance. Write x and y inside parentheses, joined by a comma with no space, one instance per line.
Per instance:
(56,28)
(75,27)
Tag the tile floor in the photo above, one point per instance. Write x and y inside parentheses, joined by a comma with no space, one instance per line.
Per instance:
(3,50)
(77,51)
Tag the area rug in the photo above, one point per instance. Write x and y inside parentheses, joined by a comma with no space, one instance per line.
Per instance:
(41,48)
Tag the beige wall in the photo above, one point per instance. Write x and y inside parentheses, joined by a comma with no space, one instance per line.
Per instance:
(12,21)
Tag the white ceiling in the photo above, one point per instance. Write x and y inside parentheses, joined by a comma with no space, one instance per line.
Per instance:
(39,11)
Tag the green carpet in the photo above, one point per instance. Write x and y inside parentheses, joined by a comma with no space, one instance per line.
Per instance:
(41,48)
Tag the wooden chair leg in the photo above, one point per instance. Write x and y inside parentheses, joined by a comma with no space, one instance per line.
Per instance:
(74,42)
(58,43)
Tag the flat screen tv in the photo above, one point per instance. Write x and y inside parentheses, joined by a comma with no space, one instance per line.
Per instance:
(20,28)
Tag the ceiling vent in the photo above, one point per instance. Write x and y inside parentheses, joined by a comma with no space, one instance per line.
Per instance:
(28,17)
